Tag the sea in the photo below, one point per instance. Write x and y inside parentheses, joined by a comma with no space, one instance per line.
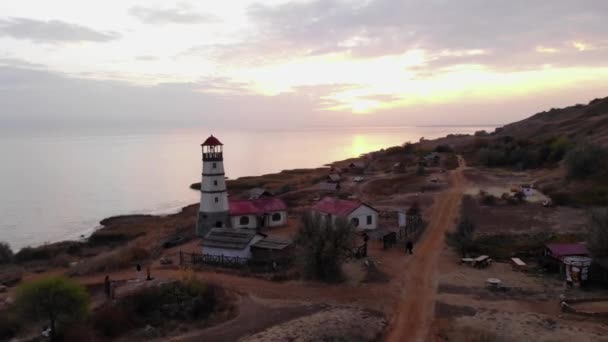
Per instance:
(57,185)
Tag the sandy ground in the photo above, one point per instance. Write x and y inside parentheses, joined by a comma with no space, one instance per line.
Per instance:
(337,324)
(413,315)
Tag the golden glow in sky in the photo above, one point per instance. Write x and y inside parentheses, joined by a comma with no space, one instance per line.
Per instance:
(346,56)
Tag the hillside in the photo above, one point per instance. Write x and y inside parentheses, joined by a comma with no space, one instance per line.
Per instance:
(576,122)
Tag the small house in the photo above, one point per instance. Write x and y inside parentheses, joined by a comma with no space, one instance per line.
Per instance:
(326,186)
(558,251)
(562,255)
(272,249)
(256,193)
(362,216)
(229,242)
(258,213)
(334,178)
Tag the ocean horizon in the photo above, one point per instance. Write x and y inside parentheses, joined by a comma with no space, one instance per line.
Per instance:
(58,185)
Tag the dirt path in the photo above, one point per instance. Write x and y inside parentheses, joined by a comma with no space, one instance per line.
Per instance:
(414,312)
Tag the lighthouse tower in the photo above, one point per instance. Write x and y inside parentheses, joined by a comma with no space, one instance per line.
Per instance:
(214,210)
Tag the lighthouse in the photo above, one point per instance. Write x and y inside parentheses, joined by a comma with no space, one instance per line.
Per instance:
(214,209)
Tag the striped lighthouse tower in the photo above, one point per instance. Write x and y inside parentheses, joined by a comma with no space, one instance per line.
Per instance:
(214,209)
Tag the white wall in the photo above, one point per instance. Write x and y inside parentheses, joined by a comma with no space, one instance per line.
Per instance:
(208,167)
(362,213)
(209,205)
(281,222)
(236,221)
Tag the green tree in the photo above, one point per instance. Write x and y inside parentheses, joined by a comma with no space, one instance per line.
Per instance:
(597,240)
(586,160)
(462,238)
(323,245)
(55,299)
(6,254)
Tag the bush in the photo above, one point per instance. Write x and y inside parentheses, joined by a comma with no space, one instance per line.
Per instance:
(112,321)
(56,299)
(597,241)
(444,149)
(488,199)
(586,160)
(462,238)
(114,260)
(6,253)
(322,246)
(10,324)
(30,254)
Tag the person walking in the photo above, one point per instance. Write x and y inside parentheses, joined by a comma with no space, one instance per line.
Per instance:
(409,247)
(107,287)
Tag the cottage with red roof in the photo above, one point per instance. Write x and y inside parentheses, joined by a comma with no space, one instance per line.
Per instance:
(258,213)
(362,216)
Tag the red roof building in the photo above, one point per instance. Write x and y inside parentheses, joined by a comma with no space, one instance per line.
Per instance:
(560,250)
(363,216)
(260,206)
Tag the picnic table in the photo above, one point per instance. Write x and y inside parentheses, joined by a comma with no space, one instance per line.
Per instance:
(468,261)
(518,263)
(482,261)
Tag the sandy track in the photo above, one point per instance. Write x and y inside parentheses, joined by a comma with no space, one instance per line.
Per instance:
(413,314)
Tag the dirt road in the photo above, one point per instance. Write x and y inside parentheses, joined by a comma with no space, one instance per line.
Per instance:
(414,312)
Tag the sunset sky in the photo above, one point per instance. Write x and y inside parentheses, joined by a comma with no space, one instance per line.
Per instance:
(243,63)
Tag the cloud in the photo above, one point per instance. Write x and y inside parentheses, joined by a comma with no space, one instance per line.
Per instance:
(146,58)
(383,27)
(182,14)
(52,31)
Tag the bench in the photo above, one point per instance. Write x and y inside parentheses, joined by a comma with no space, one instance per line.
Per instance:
(518,263)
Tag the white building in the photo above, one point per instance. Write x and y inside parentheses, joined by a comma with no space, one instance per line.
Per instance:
(362,216)
(214,208)
(258,213)
(230,242)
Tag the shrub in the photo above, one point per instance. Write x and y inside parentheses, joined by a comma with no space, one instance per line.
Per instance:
(420,171)
(444,149)
(488,199)
(26,254)
(112,320)
(322,246)
(56,299)
(462,238)
(10,324)
(6,253)
(114,260)
(585,160)
(598,233)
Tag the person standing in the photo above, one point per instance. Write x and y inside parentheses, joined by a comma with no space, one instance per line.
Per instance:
(107,287)
(409,247)
(138,271)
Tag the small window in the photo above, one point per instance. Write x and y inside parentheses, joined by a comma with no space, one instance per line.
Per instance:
(214,165)
(217,200)
(369,219)
(244,220)
(219,224)
(215,182)
(355,221)
(276,217)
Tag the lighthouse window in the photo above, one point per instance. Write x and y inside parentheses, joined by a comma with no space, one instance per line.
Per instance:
(276,217)
(215,182)
(217,199)
(244,220)
(214,165)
